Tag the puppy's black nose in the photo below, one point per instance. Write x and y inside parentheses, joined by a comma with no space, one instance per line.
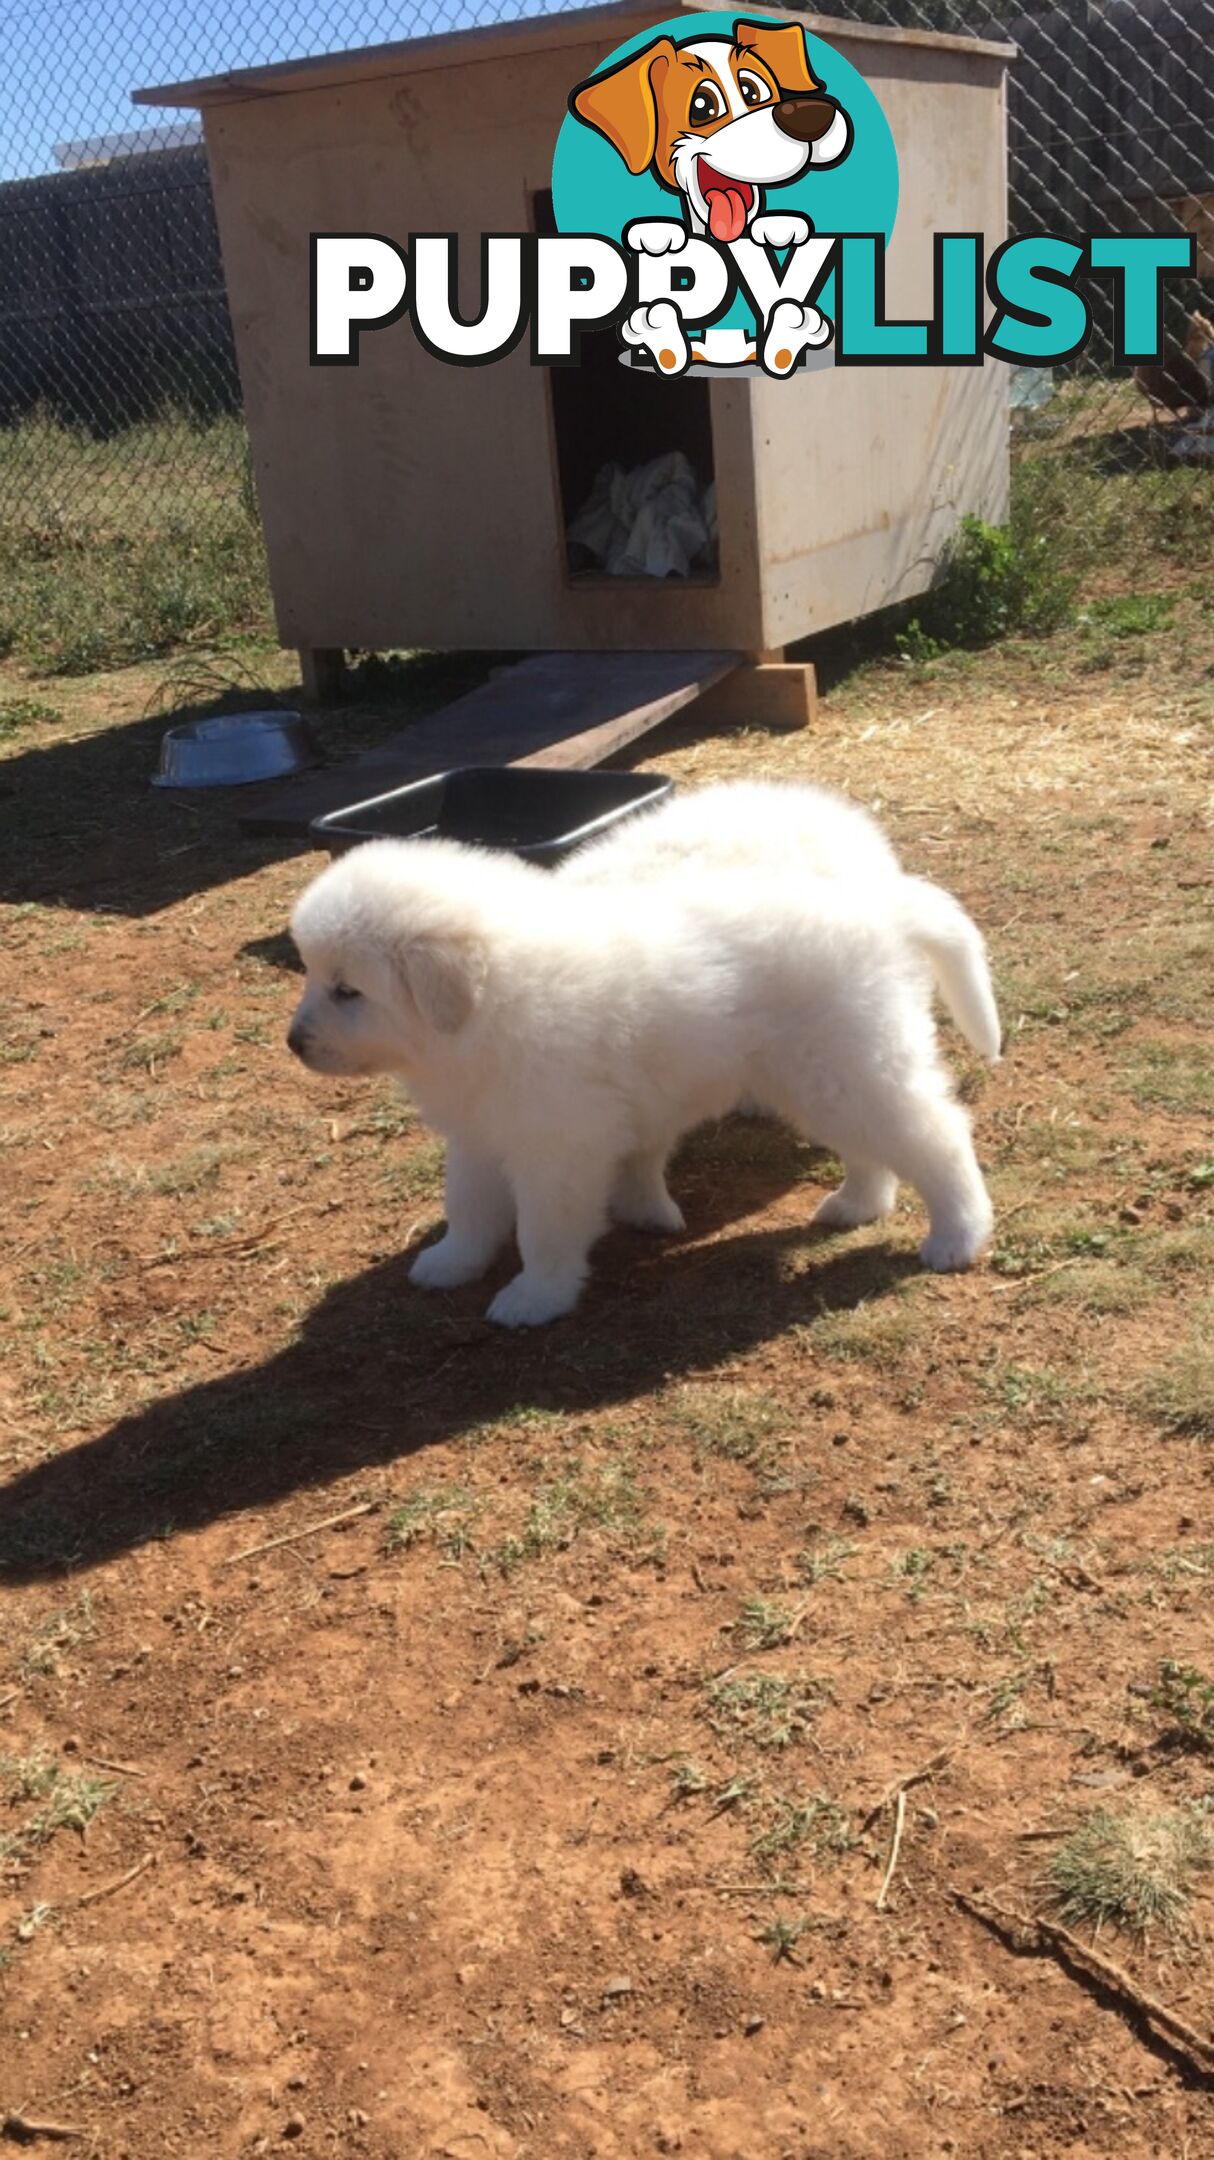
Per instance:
(297,1039)
(806,118)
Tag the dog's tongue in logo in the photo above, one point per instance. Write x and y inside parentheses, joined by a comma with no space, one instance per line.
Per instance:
(729,202)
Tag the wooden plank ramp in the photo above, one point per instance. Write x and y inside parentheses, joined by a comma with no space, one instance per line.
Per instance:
(571,710)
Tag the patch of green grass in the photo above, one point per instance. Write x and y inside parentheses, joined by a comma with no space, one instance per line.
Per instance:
(763,1624)
(1125,615)
(1179,1394)
(823,1563)
(1186,1696)
(390,1119)
(769,1710)
(1176,1562)
(1167,1076)
(33,1921)
(687,1779)
(781,1937)
(196,1171)
(442,1516)
(67,1800)
(144,543)
(913,1569)
(739,1425)
(606,1498)
(1033,1394)
(19,713)
(418,1175)
(731,1795)
(878,1334)
(1004,1697)
(816,1827)
(1136,1872)
(216,1226)
(59,1631)
(1094,1288)
(147,1053)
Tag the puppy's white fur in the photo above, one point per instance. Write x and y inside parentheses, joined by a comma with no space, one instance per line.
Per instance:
(742,824)
(562,1046)
(792,830)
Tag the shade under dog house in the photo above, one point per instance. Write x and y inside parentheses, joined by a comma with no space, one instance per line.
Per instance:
(410,502)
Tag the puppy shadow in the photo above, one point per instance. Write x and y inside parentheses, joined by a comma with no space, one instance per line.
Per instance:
(379,1372)
(276,951)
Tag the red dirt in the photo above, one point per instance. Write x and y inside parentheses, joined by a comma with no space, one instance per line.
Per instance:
(421,1879)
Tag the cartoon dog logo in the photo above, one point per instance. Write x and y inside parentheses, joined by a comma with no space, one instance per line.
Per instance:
(717,121)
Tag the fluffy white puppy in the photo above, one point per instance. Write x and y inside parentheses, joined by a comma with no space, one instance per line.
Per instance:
(741,824)
(562,1038)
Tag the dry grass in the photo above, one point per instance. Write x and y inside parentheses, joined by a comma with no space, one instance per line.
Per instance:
(1136,1872)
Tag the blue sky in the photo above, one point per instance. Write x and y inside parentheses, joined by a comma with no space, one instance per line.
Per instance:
(69,65)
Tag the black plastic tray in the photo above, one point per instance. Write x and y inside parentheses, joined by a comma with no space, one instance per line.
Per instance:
(523,810)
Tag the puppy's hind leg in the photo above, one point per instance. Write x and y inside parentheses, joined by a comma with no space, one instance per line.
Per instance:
(867,1193)
(927,1140)
(562,1209)
(480,1217)
(640,1196)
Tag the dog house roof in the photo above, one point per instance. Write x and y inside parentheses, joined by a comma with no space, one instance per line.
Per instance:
(463,48)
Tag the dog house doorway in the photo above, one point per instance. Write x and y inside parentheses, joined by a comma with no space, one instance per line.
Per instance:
(634,464)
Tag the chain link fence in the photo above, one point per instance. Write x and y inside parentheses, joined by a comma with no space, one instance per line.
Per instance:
(119,396)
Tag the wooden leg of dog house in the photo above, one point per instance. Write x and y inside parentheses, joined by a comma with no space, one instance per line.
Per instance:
(322,671)
(767,693)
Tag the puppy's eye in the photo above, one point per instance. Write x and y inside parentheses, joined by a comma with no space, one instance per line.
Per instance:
(343,993)
(754,91)
(707,104)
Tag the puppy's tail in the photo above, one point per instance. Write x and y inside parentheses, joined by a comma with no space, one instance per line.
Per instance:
(955,949)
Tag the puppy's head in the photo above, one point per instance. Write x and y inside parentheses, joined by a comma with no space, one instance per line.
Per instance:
(717,119)
(395,959)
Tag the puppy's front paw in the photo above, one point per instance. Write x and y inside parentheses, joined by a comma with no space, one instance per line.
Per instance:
(792,330)
(528,1303)
(780,228)
(445,1265)
(659,329)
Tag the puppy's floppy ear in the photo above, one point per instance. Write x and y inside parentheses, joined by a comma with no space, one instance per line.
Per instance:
(444,977)
(782,48)
(623,105)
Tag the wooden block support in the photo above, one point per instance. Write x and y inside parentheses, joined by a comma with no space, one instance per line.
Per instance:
(322,671)
(781,695)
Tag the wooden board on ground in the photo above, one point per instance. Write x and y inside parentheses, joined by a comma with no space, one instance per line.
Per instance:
(565,709)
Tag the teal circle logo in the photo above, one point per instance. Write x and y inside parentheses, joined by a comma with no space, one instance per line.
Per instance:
(705,74)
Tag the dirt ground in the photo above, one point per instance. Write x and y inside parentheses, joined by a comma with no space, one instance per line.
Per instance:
(422,1740)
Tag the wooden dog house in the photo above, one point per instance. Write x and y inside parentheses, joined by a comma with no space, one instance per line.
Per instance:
(407,502)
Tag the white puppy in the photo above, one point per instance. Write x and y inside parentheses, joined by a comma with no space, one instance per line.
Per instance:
(563,1037)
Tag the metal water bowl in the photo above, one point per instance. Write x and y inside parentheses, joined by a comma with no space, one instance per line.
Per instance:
(233,749)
